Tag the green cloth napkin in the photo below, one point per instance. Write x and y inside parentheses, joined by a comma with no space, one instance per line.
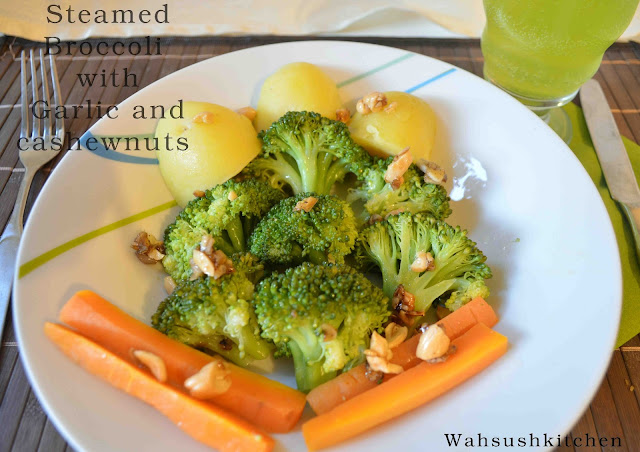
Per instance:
(583,148)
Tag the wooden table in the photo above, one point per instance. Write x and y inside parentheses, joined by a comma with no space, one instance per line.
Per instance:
(615,410)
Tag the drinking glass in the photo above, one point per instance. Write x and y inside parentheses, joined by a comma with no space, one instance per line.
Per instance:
(542,51)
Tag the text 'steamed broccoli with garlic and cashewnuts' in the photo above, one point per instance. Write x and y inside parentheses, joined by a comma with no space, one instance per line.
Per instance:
(322,239)
(71,15)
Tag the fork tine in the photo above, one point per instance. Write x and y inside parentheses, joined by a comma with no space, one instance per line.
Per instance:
(46,126)
(59,122)
(35,130)
(24,97)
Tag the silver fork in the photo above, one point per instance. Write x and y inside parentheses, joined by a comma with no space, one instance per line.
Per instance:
(51,129)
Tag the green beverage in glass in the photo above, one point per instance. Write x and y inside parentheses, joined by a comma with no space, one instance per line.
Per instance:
(542,51)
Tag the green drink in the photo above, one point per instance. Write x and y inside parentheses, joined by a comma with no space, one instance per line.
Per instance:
(542,51)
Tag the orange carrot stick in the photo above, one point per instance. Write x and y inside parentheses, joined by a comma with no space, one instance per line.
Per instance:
(476,349)
(460,321)
(264,402)
(454,325)
(349,384)
(204,422)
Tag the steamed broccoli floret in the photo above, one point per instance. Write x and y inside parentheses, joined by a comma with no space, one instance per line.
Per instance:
(459,270)
(323,315)
(414,195)
(308,153)
(285,235)
(465,290)
(215,316)
(228,212)
(250,265)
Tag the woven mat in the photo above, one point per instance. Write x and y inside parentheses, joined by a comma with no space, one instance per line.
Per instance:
(615,410)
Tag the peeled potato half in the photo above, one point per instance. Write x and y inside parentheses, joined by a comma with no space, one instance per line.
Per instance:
(296,87)
(407,121)
(220,143)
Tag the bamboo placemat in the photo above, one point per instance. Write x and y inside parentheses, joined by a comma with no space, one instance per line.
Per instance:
(615,410)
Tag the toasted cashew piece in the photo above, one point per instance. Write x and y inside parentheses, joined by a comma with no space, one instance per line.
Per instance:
(395,334)
(249,112)
(154,363)
(434,343)
(210,381)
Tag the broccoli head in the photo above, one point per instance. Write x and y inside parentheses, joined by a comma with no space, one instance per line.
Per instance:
(250,265)
(465,290)
(308,153)
(215,316)
(228,212)
(413,196)
(289,234)
(456,271)
(322,315)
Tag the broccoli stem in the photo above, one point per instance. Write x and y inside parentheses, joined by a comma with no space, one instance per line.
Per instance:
(249,223)
(307,161)
(322,185)
(235,230)
(254,346)
(317,257)
(224,245)
(425,297)
(308,375)
(234,355)
(389,269)
(309,180)
(313,256)
(212,345)
(336,173)
(280,168)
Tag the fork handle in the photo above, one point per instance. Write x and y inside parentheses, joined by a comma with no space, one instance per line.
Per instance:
(9,242)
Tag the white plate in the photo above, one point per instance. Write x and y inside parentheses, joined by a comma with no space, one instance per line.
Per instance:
(520,191)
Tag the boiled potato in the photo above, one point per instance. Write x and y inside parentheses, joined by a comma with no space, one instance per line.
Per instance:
(411,123)
(220,143)
(296,87)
